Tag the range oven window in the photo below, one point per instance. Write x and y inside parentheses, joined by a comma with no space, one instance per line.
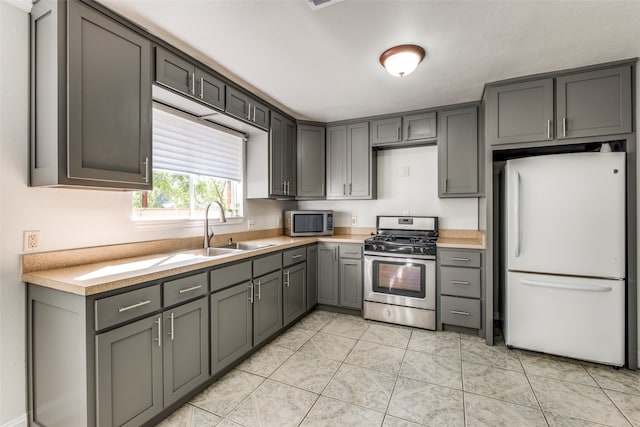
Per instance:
(308,223)
(399,278)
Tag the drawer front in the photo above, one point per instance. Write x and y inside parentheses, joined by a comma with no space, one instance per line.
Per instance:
(294,256)
(460,258)
(129,305)
(267,264)
(462,282)
(226,276)
(460,311)
(350,251)
(184,289)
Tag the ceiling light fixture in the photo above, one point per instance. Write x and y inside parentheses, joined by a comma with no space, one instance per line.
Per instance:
(402,60)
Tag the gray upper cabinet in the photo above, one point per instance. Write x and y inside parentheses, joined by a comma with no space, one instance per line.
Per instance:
(210,89)
(419,126)
(129,373)
(294,292)
(311,162)
(458,154)
(328,273)
(243,106)
(312,276)
(267,306)
(96,130)
(350,162)
(385,131)
(521,112)
(594,103)
(231,325)
(282,155)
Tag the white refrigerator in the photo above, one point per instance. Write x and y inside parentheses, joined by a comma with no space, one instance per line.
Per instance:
(565,255)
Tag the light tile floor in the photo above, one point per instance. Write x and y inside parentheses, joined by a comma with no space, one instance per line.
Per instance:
(338,370)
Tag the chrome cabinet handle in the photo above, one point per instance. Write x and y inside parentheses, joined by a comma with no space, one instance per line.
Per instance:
(564,127)
(462,313)
(201,87)
(146,170)
(296,256)
(349,263)
(193,83)
(445,185)
(193,288)
(350,188)
(171,330)
(460,259)
(249,112)
(458,282)
(254,112)
(159,339)
(352,253)
(286,278)
(344,189)
(549,129)
(251,292)
(398,133)
(131,307)
(335,253)
(259,290)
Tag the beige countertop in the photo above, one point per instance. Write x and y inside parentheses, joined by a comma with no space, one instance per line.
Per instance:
(461,239)
(97,277)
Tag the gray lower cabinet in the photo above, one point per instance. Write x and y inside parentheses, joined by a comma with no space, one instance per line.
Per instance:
(312,276)
(91,99)
(294,292)
(231,325)
(267,306)
(242,106)
(328,273)
(459,158)
(460,288)
(594,103)
(350,163)
(310,171)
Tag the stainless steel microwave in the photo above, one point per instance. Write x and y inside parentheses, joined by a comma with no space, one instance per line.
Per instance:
(308,223)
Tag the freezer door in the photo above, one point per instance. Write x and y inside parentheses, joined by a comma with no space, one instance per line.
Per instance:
(566,214)
(568,316)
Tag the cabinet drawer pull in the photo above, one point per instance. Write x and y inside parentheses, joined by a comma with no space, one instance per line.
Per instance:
(193,288)
(398,133)
(259,290)
(201,87)
(193,83)
(350,188)
(344,189)
(351,253)
(171,330)
(296,256)
(459,282)
(462,313)
(350,263)
(254,112)
(549,129)
(460,259)
(251,292)
(146,170)
(564,127)
(249,112)
(131,307)
(286,278)
(159,339)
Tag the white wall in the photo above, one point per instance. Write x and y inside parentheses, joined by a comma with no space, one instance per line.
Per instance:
(416,194)
(66,218)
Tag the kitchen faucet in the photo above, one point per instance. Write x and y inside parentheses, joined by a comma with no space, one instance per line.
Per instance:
(223,218)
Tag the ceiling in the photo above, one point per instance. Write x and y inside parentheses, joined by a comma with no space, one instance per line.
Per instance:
(323,65)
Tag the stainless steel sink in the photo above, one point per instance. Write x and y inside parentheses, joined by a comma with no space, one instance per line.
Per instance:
(244,246)
(214,252)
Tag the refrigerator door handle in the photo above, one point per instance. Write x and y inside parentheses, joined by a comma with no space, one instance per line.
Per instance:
(566,286)
(516,213)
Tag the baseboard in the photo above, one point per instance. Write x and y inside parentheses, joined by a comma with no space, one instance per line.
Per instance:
(21,421)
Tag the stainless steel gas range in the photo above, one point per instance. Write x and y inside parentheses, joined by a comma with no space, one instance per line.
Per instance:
(400,271)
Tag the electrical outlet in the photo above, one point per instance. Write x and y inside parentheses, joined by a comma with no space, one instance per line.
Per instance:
(354,220)
(279,222)
(31,240)
(405,171)
(251,224)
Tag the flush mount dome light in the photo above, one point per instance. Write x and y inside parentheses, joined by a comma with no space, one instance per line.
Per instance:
(402,60)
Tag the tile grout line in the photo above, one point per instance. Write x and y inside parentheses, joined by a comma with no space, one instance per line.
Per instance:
(535,395)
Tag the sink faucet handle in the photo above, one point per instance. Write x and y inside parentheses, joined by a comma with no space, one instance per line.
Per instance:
(230,241)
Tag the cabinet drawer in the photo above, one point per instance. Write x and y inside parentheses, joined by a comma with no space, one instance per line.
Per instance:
(227,276)
(350,251)
(460,258)
(462,282)
(267,264)
(184,289)
(294,256)
(460,311)
(129,305)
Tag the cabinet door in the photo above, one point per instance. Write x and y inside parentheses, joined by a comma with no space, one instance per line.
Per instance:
(267,306)
(294,292)
(210,89)
(109,121)
(312,276)
(594,103)
(336,162)
(351,283)
(359,161)
(289,159)
(129,373)
(276,155)
(175,72)
(237,103)
(328,274)
(386,131)
(260,114)
(419,126)
(521,112)
(458,153)
(231,323)
(186,349)
(311,160)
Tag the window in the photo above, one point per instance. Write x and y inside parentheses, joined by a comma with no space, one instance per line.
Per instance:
(194,164)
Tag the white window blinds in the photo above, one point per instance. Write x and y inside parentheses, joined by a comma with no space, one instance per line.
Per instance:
(183,145)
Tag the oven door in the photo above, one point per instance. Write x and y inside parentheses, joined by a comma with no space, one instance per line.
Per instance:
(401,281)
